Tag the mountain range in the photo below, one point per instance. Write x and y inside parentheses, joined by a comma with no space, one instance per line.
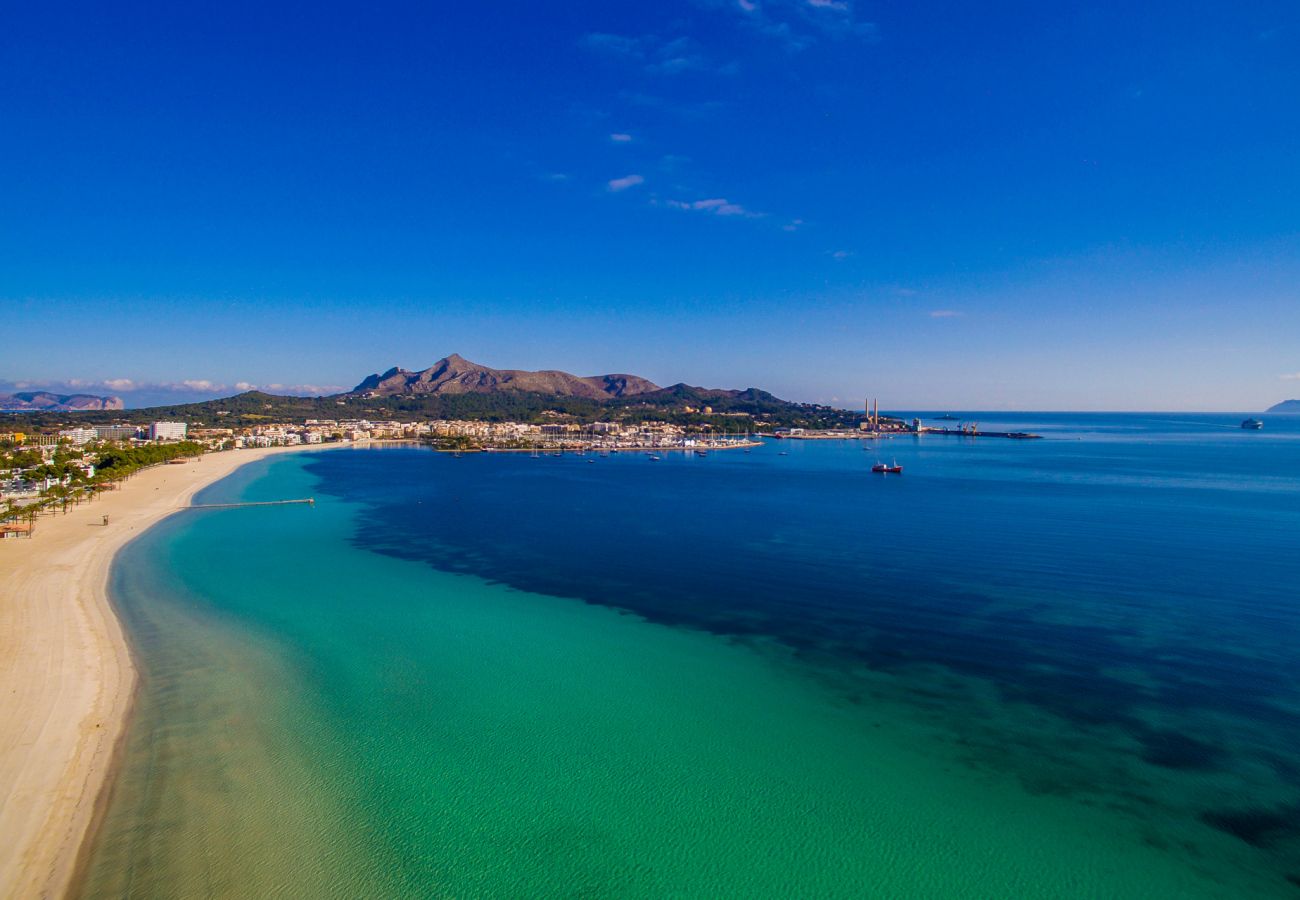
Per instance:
(455,388)
(44,401)
(456,375)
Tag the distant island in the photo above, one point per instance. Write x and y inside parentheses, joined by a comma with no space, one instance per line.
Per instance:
(1286,406)
(456,388)
(44,401)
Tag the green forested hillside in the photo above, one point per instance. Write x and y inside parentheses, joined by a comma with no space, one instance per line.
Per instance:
(667,404)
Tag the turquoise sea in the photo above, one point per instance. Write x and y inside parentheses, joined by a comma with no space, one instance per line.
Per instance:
(1056,668)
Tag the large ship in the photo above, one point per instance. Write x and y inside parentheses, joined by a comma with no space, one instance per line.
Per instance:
(1252,424)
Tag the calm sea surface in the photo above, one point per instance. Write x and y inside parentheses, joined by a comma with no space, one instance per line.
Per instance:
(1067,667)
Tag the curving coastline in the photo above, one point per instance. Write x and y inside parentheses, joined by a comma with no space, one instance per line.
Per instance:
(66,675)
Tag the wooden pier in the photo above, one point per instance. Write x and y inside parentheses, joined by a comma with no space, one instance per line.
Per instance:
(310,501)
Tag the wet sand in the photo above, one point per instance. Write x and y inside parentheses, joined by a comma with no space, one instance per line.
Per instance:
(66,677)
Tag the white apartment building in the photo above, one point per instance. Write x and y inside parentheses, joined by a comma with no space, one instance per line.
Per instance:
(78,436)
(168,431)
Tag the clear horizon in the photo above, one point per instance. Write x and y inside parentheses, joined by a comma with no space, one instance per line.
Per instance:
(1020,208)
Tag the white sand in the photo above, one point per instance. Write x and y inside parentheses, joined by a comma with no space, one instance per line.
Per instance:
(66,678)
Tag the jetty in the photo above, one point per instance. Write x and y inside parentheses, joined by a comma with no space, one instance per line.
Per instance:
(971,432)
(310,501)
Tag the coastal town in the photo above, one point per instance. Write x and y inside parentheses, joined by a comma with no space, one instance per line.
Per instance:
(53,468)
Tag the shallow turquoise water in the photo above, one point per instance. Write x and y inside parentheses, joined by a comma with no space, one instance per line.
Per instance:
(1051,669)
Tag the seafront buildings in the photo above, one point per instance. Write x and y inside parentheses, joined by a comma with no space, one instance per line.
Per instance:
(48,466)
(39,466)
(167,431)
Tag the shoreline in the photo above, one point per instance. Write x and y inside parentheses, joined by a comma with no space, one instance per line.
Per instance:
(67,677)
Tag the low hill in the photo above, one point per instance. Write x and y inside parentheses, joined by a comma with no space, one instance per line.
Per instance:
(750,400)
(47,402)
(1286,406)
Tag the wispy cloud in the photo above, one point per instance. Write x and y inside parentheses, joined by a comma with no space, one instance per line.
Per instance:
(194,387)
(657,55)
(698,109)
(678,55)
(718,206)
(796,24)
(619,137)
(1290,376)
(793,225)
(627,181)
(612,44)
(840,255)
(944,314)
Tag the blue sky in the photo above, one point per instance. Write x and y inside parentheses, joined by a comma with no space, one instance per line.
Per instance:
(1004,205)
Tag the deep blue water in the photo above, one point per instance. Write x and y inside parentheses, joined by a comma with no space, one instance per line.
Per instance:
(1109,613)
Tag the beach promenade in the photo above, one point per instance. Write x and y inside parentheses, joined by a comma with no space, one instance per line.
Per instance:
(66,677)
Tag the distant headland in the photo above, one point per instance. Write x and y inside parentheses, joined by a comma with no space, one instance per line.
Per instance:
(44,401)
(1286,406)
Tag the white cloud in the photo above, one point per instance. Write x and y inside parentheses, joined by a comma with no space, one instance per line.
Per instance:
(627,181)
(620,138)
(1290,376)
(793,225)
(313,390)
(201,384)
(841,255)
(245,386)
(119,384)
(718,206)
(944,314)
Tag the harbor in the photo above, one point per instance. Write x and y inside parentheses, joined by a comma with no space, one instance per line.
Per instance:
(874,426)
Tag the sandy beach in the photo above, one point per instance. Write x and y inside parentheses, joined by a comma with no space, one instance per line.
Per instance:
(66,677)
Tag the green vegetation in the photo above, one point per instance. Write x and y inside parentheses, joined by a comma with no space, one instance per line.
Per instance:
(115,463)
(68,468)
(751,410)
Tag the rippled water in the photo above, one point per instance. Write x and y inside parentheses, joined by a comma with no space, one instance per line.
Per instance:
(1059,667)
